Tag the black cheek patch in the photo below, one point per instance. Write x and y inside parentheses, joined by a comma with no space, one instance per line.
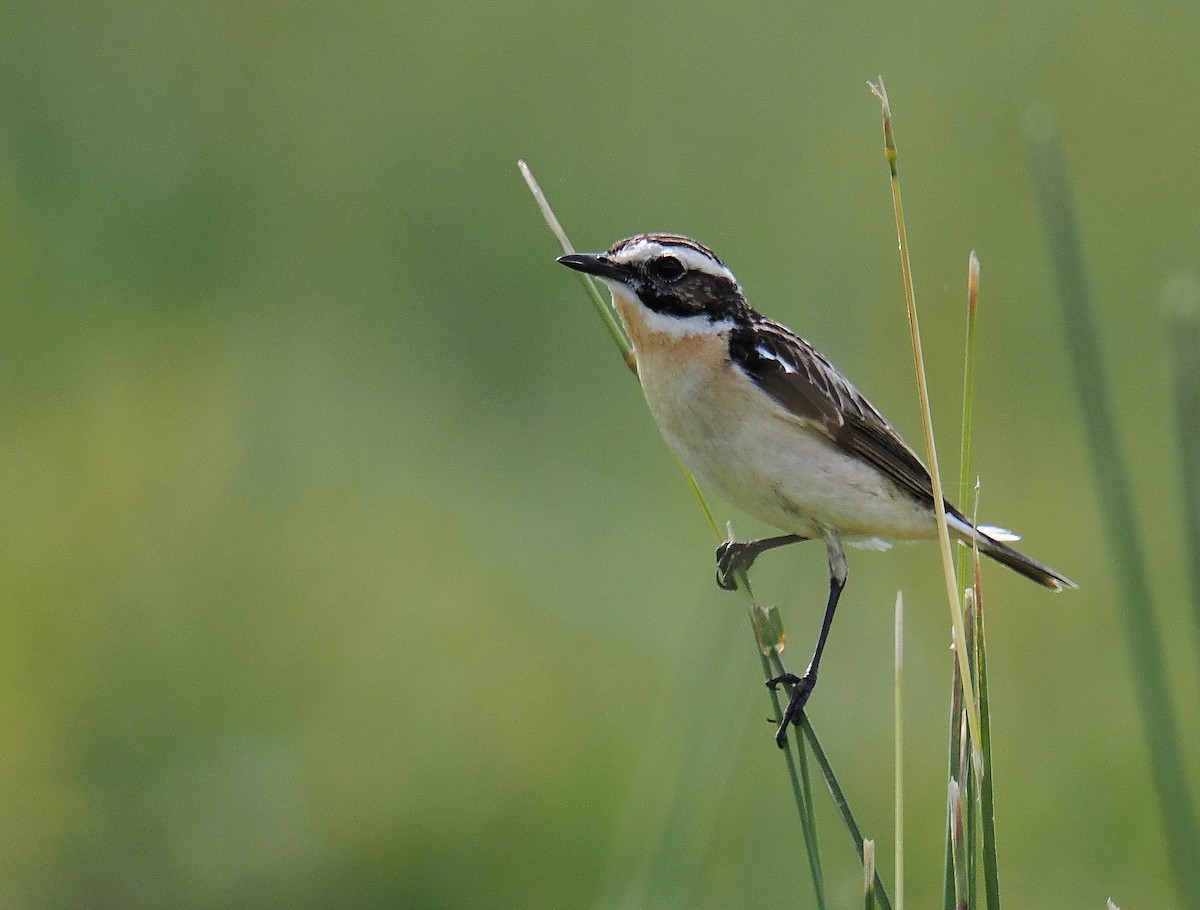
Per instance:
(695,293)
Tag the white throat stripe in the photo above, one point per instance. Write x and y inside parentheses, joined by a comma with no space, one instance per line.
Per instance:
(674,327)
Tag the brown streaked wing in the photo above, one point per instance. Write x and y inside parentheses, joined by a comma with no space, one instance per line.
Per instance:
(801,379)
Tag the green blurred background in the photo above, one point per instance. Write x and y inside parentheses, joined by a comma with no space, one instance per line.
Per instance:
(341,562)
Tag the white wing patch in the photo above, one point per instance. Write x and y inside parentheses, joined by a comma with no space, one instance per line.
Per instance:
(767,354)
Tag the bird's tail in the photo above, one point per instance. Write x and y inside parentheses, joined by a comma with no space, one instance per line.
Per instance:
(1003,553)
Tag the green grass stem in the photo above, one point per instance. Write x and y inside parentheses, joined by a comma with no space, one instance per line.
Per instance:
(959,769)
(957,719)
(1048,164)
(960,846)
(987,803)
(607,314)
(869,874)
(811,838)
(939,506)
(795,755)
(899,746)
(797,764)
(1182,305)
(968,771)
(964,463)
(840,802)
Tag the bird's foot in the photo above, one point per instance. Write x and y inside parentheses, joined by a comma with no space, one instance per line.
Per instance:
(802,687)
(733,556)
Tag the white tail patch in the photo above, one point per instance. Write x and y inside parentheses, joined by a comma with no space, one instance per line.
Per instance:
(1004,535)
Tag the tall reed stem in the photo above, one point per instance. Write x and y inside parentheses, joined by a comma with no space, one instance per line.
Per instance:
(939,505)
(1152,689)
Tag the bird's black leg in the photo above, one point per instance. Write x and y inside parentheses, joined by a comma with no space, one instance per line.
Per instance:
(740,554)
(802,686)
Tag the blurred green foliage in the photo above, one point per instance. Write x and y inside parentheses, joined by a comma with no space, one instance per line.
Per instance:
(341,564)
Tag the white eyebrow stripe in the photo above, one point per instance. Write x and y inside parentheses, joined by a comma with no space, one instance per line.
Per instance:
(645,249)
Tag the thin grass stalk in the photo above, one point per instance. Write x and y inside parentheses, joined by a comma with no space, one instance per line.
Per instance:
(967,776)
(948,873)
(806,787)
(797,770)
(977,775)
(869,875)
(960,847)
(939,505)
(956,732)
(839,801)
(899,783)
(968,408)
(797,762)
(1182,304)
(607,315)
(1048,164)
(964,474)
(987,803)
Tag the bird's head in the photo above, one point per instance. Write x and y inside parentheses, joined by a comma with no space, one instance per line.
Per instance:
(668,274)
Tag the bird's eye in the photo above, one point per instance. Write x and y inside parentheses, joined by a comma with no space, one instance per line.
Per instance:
(666,268)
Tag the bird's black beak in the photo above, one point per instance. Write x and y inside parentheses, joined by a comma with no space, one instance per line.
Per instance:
(595,264)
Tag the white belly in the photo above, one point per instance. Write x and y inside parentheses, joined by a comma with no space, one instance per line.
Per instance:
(734,438)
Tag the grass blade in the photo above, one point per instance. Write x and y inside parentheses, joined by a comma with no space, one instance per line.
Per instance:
(964,464)
(814,846)
(797,762)
(1182,300)
(869,875)
(952,763)
(607,315)
(1051,180)
(939,506)
(899,785)
(968,770)
(960,846)
(843,807)
(987,804)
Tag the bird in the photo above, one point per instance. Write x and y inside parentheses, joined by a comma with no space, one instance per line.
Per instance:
(759,415)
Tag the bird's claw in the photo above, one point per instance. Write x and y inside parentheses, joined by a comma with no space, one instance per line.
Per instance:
(790,679)
(732,556)
(802,687)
